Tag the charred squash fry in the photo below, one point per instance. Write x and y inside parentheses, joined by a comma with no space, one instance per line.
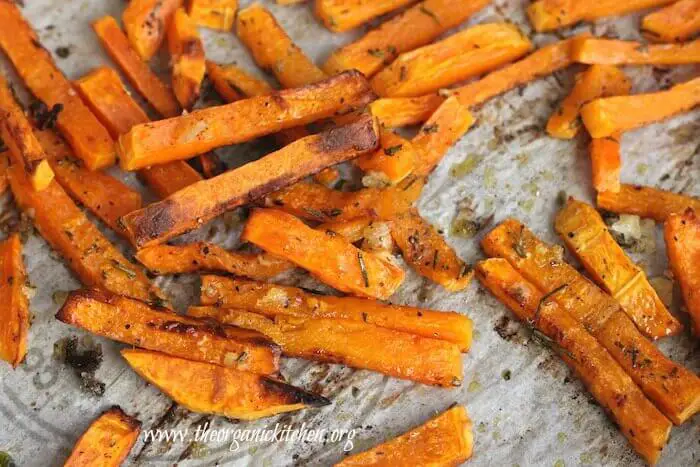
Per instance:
(155,328)
(675,23)
(187,58)
(208,388)
(682,233)
(646,202)
(14,312)
(273,50)
(426,251)
(391,163)
(272,300)
(671,387)
(146,23)
(461,56)
(344,15)
(586,235)
(597,81)
(639,421)
(606,116)
(344,267)
(214,14)
(136,70)
(107,442)
(352,343)
(396,112)
(606,163)
(88,138)
(190,207)
(416,27)
(446,440)
(615,52)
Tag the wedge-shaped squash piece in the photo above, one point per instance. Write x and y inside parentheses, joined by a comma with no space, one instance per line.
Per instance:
(606,163)
(466,54)
(675,23)
(273,50)
(648,202)
(639,421)
(682,234)
(585,233)
(201,202)
(208,388)
(597,81)
(615,52)
(607,116)
(14,312)
(272,300)
(202,130)
(214,14)
(17,135)
(391,163)
(416,27)
(187,58)
(107,442)
(352,343)
(447,439)
(344,15)
(137,71)
(202,256)
(426,251)
(343,266)
(146,23)
(546,15)
(88,138)
(396,112)
(155,328)
(674,389)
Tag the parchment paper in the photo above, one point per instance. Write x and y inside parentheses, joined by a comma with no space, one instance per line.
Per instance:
(541,415)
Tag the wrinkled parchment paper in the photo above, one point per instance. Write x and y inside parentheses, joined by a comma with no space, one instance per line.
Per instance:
(526,406)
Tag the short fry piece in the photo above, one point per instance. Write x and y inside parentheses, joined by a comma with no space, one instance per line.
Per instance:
(272,300)
(107,442)
(426,251)
(273,50)
(461,56)
(208,388)
(640,422)
(187,58)
(606,163)
(597,81)
(214,14)
(344,15)
(586,235)
(391,163)
(396,112)
(146,23)
(445,440)
(682,233)
(14,312)
(352,343)
(417,26)
(616,52)
(646,202)
(675,23)
(606,116)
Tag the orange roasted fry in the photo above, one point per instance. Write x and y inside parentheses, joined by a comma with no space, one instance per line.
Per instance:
(593,50)
(146,23)
(682,234)
(675,23)
(14,312)
(186,58)
(214,14)
(606,163)
(391,163)
(646,202)
(396,112)
(233,83)
(344,15)
(352,230)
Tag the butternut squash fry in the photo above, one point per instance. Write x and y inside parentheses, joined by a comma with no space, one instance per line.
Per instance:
(146,23)
(190,207)
(417,26)
(606,116)
(136,71)
(674,23)
(426,251)
(586,235)
(395,112)
(187,58)
(208,388)
(682,233)
(88,138)
(93,259)
(671,387)
(352,343)
(615,52)
(639,421)
(214,14)
(202,130)
(107,442)
(233,83)
(447,439)
(273,50)
(463,55)
(597,81)
(344,15)
(546,15)
(272,300)
(646,202)
(606,163)
(347,268)
(14,312)
(392,162)
(155,328)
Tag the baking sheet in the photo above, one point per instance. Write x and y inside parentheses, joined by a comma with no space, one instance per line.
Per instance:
(541,415)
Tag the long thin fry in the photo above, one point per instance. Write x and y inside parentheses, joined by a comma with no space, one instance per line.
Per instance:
(344,15)
(646,202)
(614,52)
(146,23)
(682,234)
(14,312)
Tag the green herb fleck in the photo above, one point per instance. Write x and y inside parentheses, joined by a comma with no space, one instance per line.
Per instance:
(393,149)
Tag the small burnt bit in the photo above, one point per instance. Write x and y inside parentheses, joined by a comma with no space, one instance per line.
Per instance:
(293,395)
(43,117)
(503,329)
(85,359)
